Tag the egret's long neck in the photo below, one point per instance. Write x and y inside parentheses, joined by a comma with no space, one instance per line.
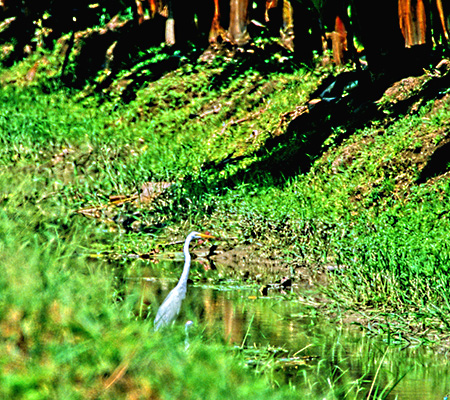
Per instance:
(187,262)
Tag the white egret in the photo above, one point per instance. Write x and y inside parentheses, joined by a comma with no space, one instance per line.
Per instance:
(169,309)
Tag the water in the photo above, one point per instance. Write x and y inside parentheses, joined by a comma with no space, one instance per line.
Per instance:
(307,348)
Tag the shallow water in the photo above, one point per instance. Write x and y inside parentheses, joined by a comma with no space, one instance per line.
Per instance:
(306,348)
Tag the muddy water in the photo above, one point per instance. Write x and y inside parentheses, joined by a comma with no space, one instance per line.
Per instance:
(308,349)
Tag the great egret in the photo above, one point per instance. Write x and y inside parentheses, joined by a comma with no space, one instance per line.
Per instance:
(170,307)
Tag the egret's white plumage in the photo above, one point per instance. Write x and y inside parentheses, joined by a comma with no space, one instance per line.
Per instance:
(169,309)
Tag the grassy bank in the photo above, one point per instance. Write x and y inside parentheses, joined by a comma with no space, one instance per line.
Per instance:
(369,199)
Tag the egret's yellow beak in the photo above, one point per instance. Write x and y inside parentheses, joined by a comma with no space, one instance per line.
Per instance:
(207,236)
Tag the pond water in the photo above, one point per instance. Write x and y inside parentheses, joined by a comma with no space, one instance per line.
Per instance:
(307,348)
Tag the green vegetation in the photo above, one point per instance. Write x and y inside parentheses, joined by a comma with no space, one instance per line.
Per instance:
(369,199)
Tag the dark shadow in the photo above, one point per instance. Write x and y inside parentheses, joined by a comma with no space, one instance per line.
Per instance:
(346,101)
(56,18)
(437,164)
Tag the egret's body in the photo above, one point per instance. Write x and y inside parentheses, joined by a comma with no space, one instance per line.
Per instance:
(169,309)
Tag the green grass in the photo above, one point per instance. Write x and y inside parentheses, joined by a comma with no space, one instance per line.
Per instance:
(66,326)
